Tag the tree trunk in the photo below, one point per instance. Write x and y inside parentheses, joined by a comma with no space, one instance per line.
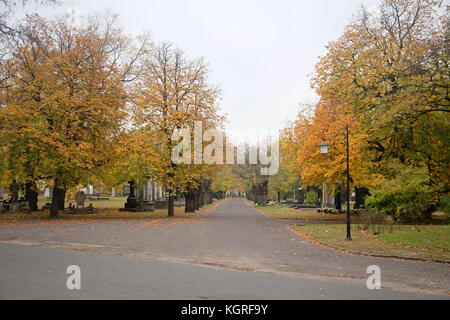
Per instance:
(54,210)
(428,214)
(31,195)
(189,206)
(58,193)
(197,200)
(62,199)
(338,200)
(361,194)
(279,196)
(186,204)
(202,198)
(171,205)
(261,194)
(194,201)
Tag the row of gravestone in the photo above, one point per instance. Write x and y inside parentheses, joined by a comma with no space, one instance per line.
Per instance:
(79,208)
(133,204)
(14,204)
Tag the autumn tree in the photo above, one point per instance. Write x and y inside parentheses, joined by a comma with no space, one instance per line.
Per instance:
(256,185)
(328,121)
(225,180)
(65,99)
(388,76)
(7,8)
(172,95)
(283,182)
(287,178)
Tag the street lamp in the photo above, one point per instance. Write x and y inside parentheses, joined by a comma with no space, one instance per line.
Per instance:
(324,150)
(324,147)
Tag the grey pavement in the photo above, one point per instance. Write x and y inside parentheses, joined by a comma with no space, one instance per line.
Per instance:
(236,237)
(40,273)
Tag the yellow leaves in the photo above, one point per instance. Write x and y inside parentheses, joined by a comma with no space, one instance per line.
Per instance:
(172,94)
(328,122)
(383,85)
(224,179)
(65,102)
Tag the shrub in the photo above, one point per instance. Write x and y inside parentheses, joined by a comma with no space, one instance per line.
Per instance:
(444,204)
(408,196)
(378,222)
(311,198)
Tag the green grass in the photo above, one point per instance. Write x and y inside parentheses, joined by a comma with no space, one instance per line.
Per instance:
(426,237)
(425,242)
(112,203)
(282,212)
(101,214)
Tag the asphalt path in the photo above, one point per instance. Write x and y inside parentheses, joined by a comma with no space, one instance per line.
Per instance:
(233,241)
(41,273)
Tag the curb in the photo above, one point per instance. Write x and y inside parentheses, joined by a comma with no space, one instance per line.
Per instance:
(364,254)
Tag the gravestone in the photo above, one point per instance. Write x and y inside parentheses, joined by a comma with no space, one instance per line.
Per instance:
(14,189)
(47,193)
(145,206)
(14,207)
(80,199)
(132,202)
(161,204)
(80,208)
(135,205)
(14,204)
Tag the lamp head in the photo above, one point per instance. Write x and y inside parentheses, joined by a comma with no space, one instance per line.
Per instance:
(324,147)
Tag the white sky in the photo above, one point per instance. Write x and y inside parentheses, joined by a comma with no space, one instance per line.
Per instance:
(261,52)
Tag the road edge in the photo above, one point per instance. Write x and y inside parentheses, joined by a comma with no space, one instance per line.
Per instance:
(363,254)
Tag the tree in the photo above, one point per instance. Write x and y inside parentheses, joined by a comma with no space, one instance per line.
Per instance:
(65,100)
(225,180)
(256,185)
(286,180)
(7,7)
(328,121)
(389,71)
(171,95)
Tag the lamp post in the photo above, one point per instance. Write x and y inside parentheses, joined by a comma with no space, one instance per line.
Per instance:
(301,197)
(324,150)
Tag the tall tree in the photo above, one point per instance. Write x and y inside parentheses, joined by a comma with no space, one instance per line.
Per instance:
(172,94)
(7,8)
(65,100)
(389,71)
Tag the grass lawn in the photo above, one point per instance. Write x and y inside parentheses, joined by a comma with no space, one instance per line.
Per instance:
(426,242)
(112,203)
(106,210)
(282,212)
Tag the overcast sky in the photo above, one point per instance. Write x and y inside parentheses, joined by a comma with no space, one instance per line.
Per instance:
(261,52)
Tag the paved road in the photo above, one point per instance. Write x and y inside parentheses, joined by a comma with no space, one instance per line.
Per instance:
(40,273)
(233,236)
